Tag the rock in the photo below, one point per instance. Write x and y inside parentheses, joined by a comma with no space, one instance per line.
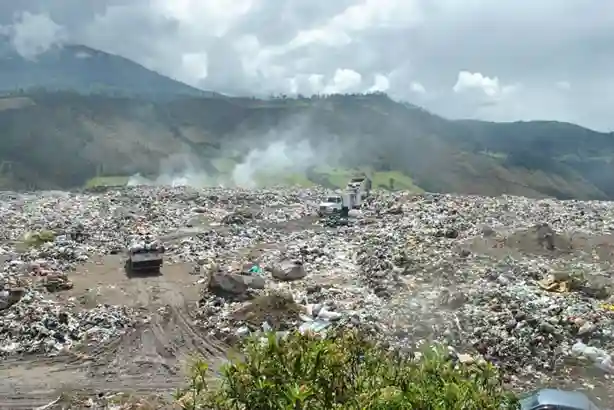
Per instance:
(56,282)
(586,329)
(395,210)
(229,284)
(234,219)
(288,270)
(9,297)
(451,233)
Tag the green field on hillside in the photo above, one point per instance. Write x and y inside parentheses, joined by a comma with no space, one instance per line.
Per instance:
(106,181)
(334,178)
(339,177)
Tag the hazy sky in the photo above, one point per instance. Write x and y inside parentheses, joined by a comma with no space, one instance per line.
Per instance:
(487,59)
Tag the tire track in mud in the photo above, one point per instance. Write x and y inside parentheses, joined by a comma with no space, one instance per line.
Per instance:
(150,358)
(154,357)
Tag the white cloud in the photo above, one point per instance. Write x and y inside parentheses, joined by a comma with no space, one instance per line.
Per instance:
(33,34)
(344,81)
(417,88)
(407,47)
(194,66)
(381,84)
(491,87)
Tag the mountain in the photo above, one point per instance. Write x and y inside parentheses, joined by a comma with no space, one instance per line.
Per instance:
(61,139)
(68,117)
(86,70)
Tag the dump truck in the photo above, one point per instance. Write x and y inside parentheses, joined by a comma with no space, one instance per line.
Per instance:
(145,257)
(361,185)
(339,203)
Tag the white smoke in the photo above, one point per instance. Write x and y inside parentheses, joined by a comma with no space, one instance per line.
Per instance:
(281,154)
(273,162)
(176,170)
(193,180)
(269,165)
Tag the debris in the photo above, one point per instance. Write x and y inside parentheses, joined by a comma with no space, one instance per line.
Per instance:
(279,311)
(289,270)
(512,280)
(231,285)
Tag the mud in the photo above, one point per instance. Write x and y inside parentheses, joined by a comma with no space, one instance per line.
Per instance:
(541,242)
(279,311)
(151,358)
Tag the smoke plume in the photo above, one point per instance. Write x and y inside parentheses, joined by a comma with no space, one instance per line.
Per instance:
(279,155)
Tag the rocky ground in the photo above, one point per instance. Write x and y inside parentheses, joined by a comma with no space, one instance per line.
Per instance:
(525,284)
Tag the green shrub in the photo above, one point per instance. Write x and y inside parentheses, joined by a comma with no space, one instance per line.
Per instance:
(39,238)
(343,371)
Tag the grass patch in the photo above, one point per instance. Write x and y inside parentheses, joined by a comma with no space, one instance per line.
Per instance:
(106,181)
(343,371)
(331,177)
(335,177)
(401,181)
(34,239)
(264,179)
(339,177)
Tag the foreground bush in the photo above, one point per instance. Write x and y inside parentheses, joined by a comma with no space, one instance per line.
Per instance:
(343,371)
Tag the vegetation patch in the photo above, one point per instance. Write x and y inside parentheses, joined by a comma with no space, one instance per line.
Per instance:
(343,370)
(38,238)
(106,181)
(339,177)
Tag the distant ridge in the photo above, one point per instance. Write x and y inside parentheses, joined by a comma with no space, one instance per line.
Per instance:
(86,70)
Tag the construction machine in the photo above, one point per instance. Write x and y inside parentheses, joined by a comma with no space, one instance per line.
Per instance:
(339,203)
(145,256)
(361,185)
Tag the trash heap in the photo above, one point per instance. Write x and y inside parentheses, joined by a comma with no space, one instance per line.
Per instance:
(523,283)
(146,244)
(34,324)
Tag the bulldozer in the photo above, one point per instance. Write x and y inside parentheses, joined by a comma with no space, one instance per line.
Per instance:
(145,257)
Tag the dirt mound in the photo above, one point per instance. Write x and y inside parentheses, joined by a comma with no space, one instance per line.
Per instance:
(279,311)
(542,240)
(539,240)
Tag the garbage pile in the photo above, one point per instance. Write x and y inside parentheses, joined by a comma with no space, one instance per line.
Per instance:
(523,283)
(33,324)
(145,245)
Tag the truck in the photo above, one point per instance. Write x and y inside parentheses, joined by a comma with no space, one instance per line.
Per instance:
(339,203)
(145,257)
(361,185)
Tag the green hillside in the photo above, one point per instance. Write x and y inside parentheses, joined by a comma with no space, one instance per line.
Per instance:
(66,119)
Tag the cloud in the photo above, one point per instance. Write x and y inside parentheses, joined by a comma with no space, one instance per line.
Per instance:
(381,84)
(33,34)
(504,58)
(490,87)
(416,87)
(344,81)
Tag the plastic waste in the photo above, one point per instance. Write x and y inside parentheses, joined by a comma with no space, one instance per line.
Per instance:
(599,357)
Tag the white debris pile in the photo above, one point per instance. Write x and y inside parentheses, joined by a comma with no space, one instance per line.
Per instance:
(519,281)
(46,236)
(315,270)
(34,324)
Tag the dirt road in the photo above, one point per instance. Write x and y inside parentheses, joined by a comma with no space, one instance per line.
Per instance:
(150,358)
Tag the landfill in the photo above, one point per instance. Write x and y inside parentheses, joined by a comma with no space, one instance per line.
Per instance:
(525,284)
